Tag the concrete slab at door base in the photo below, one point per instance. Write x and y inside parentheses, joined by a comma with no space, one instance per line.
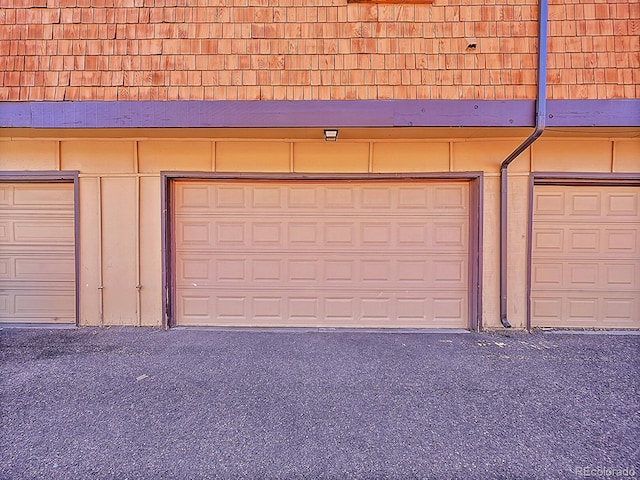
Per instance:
(328,330)
(51,326)
(554,331)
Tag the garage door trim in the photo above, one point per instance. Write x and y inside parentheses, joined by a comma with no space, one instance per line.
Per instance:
(55,176)
(566,179)
(475,180)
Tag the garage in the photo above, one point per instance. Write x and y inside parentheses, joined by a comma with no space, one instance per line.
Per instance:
(322,253)
(585,256)
(37,253)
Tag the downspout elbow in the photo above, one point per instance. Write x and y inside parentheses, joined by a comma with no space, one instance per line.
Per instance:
(539,130)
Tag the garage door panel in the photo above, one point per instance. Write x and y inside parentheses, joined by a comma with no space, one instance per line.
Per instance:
(598,205)
(622,239)
(338,197)
(31,303)
(413,197)
(450,198)
(584,275)
(302,197)
(35,196)
(585,268)
(228,197)
(268,271)
(444,197)
(296,271)
(44,232)
(622,276)
(328,308)
(548,240)
(193,197)
(33,306)
(290,232)
(6,305)
(230,270)
(36,230)
(625,204)
(267,308)
(546,310)
(340,234)
(38,267)
(270,233)
(588,240)
(263,196)
(585,204)
(303,270)
(570,309)
(549,203)
(196,268)
(450,236)
(595,275)
(231,307)
(620,310)
(321,254)
(304,309)
(194,306)
(446,308)
(43,269)
(338,309)
(583,240)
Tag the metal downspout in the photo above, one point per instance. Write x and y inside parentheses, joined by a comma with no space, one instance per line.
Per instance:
(540,123)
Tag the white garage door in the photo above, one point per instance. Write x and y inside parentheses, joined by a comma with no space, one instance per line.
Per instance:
(334,254)
(37,253)
(586,257)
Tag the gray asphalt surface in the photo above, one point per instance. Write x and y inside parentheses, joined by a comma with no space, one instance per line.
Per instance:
(126,403)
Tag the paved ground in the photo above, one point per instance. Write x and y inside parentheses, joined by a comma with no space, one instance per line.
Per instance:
(151,404)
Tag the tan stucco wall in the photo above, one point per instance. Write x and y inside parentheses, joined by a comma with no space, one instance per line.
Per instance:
(120,214)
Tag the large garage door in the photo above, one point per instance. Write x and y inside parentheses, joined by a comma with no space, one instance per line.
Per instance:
(339,254)
(586,256)
(37,253)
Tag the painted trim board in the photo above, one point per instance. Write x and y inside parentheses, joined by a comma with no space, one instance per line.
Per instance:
(317,113)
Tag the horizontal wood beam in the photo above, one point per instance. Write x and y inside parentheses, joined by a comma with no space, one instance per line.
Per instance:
(317,113)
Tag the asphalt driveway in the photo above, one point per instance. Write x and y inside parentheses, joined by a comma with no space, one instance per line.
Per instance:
(125,403)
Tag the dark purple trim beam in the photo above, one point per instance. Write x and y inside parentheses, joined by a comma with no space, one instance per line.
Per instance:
(16,114)
(258,114)
(593,113)
(213,114)
(317,113)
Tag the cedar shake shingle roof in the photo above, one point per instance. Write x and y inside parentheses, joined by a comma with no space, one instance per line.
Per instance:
(328,49)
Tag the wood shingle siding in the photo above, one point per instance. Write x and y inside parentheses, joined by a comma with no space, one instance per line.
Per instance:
(186,50)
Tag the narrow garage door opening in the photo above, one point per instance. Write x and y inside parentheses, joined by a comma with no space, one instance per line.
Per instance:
(384,254)
(585,256)
(37,253)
